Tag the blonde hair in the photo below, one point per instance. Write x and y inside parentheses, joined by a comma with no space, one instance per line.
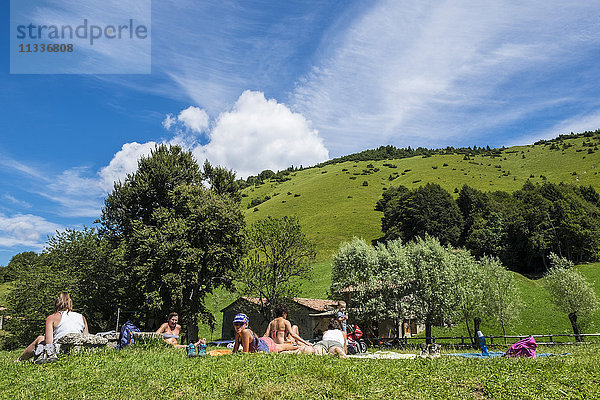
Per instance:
(63,303)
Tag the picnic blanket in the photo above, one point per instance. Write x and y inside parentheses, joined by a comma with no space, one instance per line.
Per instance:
(492,354)
(219,352)
(389,355)
(523,348)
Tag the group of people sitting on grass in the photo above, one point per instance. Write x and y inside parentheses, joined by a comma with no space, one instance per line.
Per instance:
(280,336)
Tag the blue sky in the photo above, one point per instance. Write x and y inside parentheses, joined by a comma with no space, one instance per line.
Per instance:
(313,79)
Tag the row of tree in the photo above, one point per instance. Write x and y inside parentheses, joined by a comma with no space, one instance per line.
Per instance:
(521,228)
(425,281)
(422,280)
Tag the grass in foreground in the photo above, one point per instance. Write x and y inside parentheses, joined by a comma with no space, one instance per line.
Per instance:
(152,373)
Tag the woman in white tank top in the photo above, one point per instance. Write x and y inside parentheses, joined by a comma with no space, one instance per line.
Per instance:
(63,321)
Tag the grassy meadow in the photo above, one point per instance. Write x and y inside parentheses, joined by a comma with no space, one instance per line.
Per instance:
(149,373)
(333,205)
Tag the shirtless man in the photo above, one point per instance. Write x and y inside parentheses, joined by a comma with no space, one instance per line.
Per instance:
(280,329)
(170,330)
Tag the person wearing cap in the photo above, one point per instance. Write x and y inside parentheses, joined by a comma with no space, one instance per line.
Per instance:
(250,342)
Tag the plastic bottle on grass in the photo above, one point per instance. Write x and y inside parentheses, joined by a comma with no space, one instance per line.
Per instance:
(191,350)
(201,349)
(482,346)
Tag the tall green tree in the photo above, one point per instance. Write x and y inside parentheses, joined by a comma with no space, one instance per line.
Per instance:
(73,261)
(429,209)
(433,278)
(570,291)
(221,180)
(279,254)
(173,238)
(500,293)
(18,264)
(355,272)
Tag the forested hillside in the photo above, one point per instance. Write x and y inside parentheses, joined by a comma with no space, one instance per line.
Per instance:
(335,202)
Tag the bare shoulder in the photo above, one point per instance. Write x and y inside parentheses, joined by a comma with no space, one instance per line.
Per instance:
(246,333)
(54,317)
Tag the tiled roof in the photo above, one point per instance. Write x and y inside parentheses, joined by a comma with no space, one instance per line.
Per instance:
(316,304)
(313,304)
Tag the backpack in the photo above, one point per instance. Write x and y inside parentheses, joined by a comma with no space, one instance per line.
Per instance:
(126,336)
(523,348)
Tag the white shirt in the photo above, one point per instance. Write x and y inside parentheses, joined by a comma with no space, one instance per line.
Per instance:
(70,322)
(334,334)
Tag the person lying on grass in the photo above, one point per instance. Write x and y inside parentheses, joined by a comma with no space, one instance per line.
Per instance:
(333,342)
(170,330)
(63,321)
(281,330)
(251,343)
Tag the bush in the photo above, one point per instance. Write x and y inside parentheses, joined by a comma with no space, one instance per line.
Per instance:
(7,341)
(365,183)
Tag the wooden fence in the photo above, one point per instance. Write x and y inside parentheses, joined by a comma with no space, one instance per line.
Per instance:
(491,340)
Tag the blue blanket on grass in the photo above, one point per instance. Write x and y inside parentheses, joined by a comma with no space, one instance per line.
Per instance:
(492,354)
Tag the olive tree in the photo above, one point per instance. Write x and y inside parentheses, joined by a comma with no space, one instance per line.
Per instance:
(432,280)
(468,289)
(501,296)
(570,291)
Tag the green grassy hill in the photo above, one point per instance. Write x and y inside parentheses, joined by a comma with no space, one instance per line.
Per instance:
(333,203)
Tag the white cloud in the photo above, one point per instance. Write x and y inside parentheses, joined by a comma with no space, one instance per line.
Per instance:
(14,165)
(577,124)
(25,230)
(169,121)
(124,162)
(194,119)
(16,201)
(105,55)
(437,73)
(259,134)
